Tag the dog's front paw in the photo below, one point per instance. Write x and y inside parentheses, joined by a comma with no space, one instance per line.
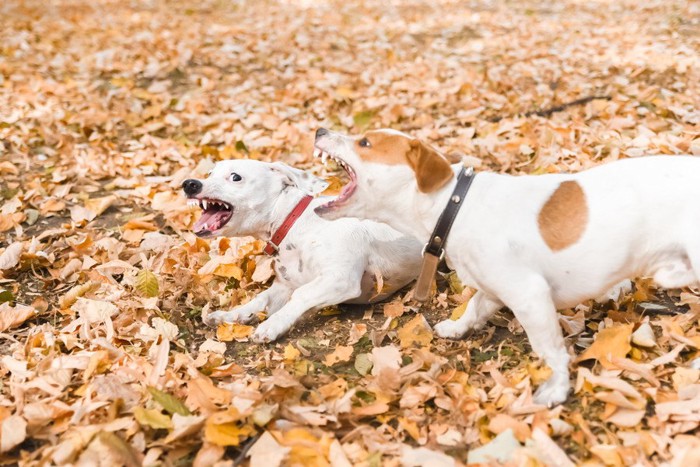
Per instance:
(218,317)
(270,330)
(552,392)
(450,329)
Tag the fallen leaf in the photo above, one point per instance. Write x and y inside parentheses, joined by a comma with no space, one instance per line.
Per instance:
(226,434)
(393,309)
(227,332)
(340,354)
(417,331)
(267,452)
(363,363)
(10,257)
(147,283)
(169,402)
(152,418)
(610,342)
(13,432)
(13,316)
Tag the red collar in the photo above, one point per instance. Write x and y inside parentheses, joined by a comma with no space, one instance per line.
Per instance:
(274,243)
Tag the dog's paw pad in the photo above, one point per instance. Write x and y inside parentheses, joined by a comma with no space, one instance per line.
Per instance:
(551,393)
(449,329)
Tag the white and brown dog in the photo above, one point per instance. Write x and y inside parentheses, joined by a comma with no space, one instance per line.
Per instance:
(532,243)
(318,263)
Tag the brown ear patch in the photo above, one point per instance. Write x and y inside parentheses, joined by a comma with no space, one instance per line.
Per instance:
(564,216)
(432,170)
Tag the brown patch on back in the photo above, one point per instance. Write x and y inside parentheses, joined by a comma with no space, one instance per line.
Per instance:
(564,216)
(432,169)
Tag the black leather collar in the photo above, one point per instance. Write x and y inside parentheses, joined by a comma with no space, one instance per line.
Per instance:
(434,250)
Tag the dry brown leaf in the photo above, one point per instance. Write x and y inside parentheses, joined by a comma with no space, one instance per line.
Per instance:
(232,331)
(10,257)
(13,431)
(609,343)
(342,353)
(267,452)
(11,317)
(394,309)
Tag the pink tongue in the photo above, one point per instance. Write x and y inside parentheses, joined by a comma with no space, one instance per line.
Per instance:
(212,218)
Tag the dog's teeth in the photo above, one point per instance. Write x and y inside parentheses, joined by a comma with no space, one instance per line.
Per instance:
(317,152)
(204,203)
(324,157)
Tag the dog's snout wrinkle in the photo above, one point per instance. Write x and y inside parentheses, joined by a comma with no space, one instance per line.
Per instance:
(192,186)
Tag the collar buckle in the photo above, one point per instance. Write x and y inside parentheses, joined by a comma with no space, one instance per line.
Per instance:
(440,255)
(435,248)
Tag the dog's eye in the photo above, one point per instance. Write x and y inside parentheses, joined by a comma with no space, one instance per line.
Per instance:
(235,177)
(364,142)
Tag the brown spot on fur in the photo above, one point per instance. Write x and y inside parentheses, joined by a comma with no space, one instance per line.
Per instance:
(564,216)
(385,148)
(432,169)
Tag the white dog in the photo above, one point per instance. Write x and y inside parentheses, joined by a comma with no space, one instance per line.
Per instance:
(531,243)
(318,263)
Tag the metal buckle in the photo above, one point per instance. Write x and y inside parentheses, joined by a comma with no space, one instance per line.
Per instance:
(442,252)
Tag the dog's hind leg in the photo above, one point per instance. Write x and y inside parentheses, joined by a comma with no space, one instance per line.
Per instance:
(270,300)
(479,309)
(327,289)
(534,308)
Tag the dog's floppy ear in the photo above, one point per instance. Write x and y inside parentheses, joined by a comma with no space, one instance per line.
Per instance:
(310,184)
(431,168)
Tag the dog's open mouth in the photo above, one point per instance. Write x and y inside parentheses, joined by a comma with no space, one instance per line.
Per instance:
(215,215)
(347,190)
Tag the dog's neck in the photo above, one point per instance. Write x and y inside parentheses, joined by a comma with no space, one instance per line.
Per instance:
(425,206)
(281,208)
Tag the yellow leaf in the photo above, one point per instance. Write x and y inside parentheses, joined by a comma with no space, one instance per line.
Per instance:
(153,418)
(291,353)
(454,283)
(416,331)
(227,332)
(410,427)
(459,311)
(229,270)
(226,434)
(342,353)
(147,283)
(610,342)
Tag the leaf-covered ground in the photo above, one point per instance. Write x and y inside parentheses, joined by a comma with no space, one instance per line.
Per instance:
(106,106)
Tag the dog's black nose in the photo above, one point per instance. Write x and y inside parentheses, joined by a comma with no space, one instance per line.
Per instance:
(192,186)
(320,132)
